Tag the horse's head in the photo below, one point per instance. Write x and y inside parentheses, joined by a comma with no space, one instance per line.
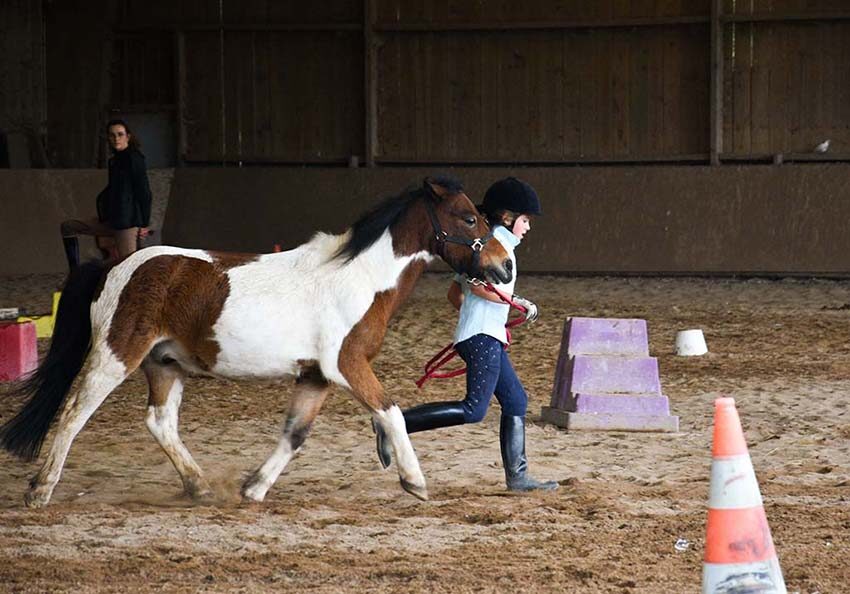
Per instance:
(461,235)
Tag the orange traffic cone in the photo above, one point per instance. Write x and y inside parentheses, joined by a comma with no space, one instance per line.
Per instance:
(739,553)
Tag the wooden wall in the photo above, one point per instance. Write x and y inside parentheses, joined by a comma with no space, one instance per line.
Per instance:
(22,85)
(736,219)
(788,80)
(456,81)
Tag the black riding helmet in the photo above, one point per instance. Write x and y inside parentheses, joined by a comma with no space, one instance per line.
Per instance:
(511,194)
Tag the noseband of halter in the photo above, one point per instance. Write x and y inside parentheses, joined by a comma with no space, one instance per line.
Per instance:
(442,238)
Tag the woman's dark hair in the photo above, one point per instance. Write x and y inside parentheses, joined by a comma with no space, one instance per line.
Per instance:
(133,142)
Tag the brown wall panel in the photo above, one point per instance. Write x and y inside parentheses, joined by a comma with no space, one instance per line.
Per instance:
(676,220)
(22,84)
(465,11)
(203,110)
(783,6)
(788,87)
(287,96)
(735,219)
(78,62)
(547,95)
(530,95)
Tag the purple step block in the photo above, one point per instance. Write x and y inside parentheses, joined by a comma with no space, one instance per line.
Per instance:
(617,404)
(588,374)
(606,336)
(614,375)
(575,421)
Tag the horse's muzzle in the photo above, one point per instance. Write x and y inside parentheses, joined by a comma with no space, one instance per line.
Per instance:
(501,274)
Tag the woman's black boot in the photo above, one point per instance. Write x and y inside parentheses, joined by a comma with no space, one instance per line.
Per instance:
(512,442)
(424,417)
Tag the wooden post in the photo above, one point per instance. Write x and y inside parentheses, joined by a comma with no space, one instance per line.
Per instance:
(716,107)
(180,94)
(370,81)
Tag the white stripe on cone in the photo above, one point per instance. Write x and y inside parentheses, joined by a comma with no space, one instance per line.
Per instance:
(733,484)
(762,577)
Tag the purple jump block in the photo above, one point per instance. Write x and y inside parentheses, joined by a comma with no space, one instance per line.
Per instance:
(616,404)
(575,421)
(605,336)
(587,374)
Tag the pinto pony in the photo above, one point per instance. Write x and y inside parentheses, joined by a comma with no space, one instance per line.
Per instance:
(318,312)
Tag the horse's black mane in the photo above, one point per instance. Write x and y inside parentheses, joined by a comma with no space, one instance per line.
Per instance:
(372,224)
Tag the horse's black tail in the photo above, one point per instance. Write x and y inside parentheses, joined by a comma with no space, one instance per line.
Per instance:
(48,385)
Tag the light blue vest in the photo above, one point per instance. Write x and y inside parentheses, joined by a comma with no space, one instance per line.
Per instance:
(479,316)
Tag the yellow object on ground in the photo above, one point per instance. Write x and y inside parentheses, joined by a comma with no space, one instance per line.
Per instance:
(44,324)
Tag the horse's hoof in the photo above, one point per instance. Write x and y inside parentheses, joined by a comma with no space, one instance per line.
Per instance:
(253,491)
(251,498)
(35,500)
(418,491)
(200,493)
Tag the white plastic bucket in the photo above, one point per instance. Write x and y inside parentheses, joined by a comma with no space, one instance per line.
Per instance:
(690,343)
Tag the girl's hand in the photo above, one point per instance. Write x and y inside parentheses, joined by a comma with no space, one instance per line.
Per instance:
(530,307)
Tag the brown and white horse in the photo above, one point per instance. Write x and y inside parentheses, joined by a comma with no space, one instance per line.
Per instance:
(318,312)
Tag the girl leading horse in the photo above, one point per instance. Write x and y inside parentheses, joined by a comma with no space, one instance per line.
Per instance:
(318,313)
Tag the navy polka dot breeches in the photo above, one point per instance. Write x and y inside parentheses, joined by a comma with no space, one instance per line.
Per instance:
(489,371)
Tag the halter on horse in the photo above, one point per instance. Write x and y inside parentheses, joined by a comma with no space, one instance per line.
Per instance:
(318,312)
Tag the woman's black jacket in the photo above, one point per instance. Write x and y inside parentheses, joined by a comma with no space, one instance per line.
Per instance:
(126,200)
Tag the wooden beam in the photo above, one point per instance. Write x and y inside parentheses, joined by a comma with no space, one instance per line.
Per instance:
(428,27)
(439,160)
(716,99)
(247,27)
(761,17)
(370,83)
(180,94)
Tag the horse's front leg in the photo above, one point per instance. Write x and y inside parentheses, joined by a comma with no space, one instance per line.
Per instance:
(368,390)
(310,392)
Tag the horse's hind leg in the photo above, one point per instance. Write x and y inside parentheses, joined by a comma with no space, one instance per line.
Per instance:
(104,374)
(310,392)
(165,383)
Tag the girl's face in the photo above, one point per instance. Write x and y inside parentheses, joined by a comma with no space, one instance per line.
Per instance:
(118,137)
(521,226)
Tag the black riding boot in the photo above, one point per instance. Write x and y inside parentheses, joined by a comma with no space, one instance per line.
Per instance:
(424,417)
(72,251)
(512,441)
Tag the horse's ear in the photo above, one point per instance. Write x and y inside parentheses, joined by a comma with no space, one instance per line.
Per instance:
(438,190)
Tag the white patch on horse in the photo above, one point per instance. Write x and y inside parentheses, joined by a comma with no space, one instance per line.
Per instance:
(395,429)
(104,374)
(300,305)
(263,479)
(162,423)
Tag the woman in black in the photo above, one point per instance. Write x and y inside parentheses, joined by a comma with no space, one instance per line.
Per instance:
(123,207)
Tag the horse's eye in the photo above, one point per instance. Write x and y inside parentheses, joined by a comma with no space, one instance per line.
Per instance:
(470,221)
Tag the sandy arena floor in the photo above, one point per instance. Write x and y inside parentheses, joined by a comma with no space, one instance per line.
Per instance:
(336,523)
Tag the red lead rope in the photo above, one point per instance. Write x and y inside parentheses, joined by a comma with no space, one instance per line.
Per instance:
(448,352)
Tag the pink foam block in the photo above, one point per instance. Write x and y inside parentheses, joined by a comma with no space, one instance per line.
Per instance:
(606,336)
(18,352)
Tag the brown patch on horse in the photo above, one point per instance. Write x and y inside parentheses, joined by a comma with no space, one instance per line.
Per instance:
(365,339)
(160,380)
(172,296)
(407,239)
(228,260)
